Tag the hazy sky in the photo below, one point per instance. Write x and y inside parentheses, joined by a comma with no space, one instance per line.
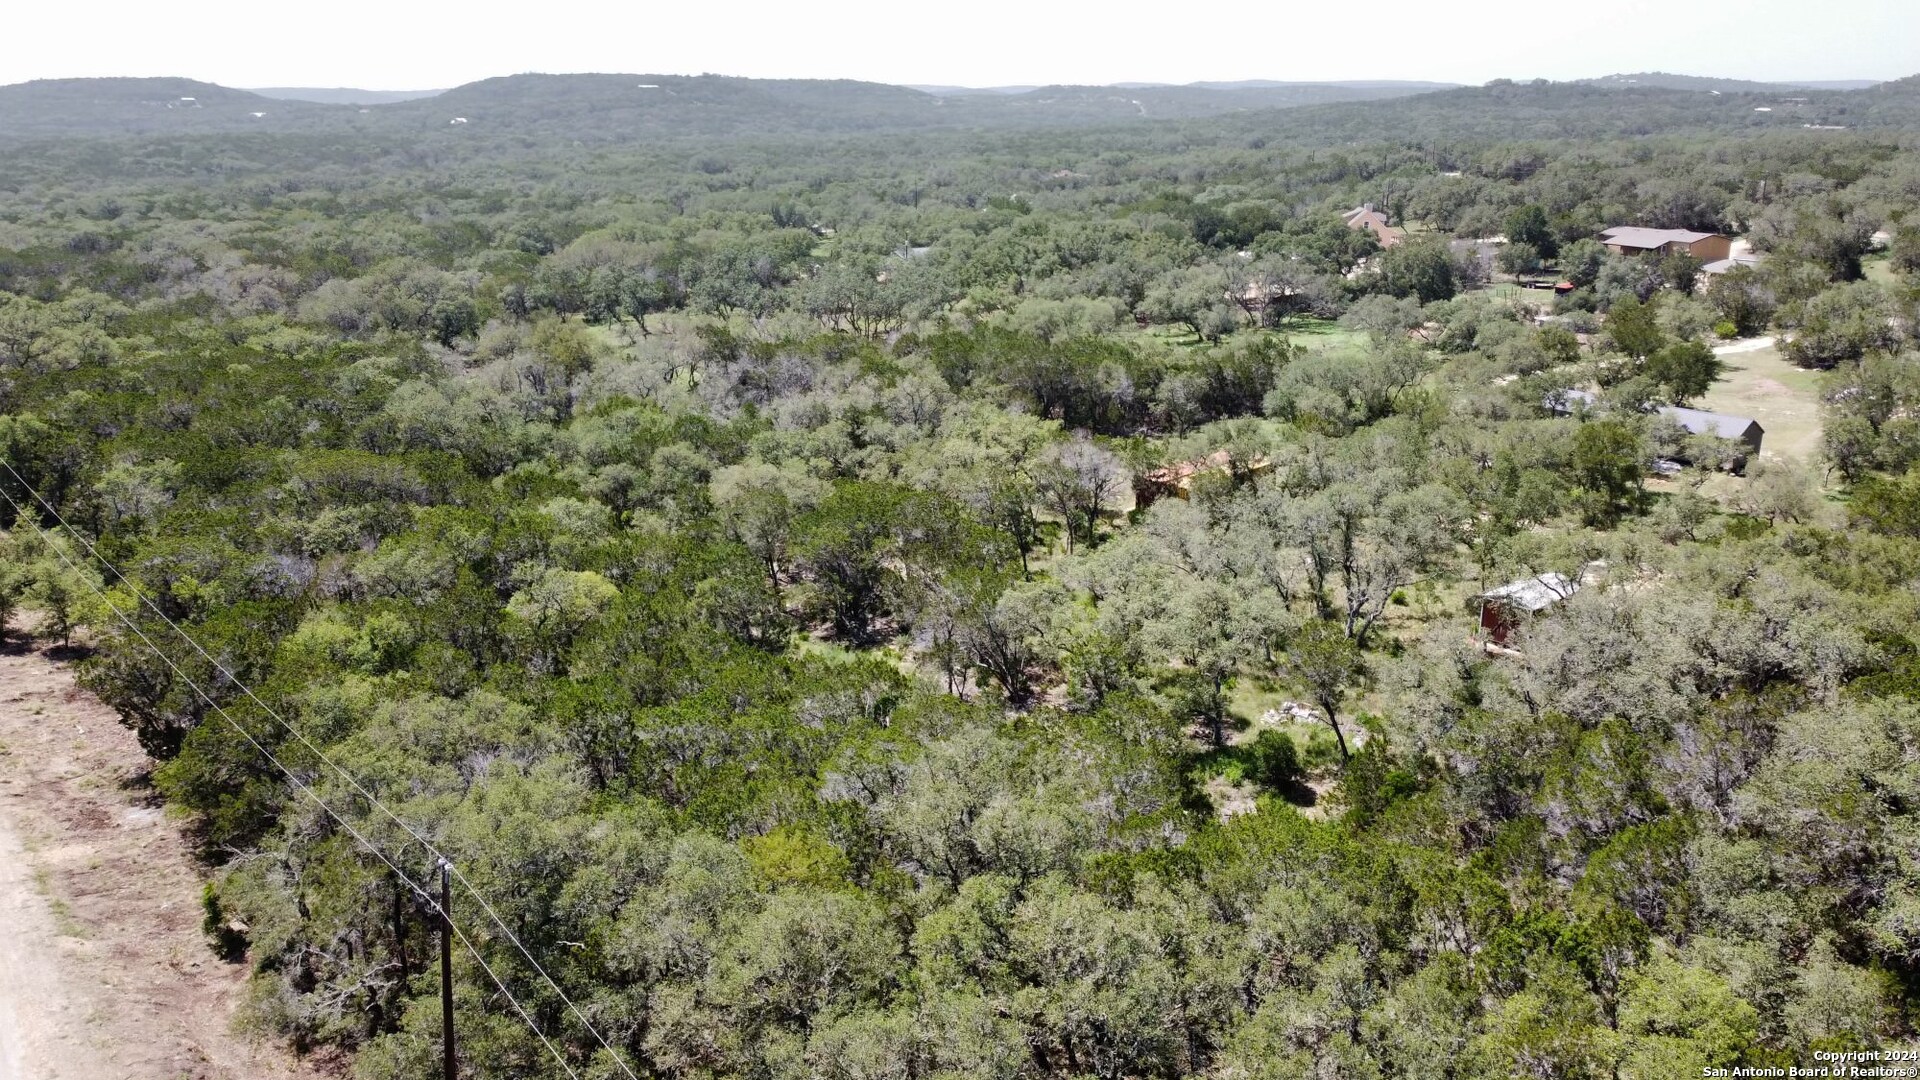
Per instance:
(397,44)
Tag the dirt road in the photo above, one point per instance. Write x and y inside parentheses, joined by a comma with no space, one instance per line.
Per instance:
(104,973)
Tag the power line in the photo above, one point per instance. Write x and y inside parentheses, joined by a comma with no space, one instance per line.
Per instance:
(430,847)
(292,778)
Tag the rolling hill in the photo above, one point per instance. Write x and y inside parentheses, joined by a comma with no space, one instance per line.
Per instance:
(143,106)
(619,108)
(342,95)
(1661,80)
(614,107)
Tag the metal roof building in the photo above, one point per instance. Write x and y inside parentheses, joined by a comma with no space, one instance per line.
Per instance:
(1502,609)
(1721,425)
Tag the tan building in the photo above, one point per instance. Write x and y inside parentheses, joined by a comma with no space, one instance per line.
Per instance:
(1634,240)
(1366,217)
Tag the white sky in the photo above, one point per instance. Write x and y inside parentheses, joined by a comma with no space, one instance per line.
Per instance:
(405,44)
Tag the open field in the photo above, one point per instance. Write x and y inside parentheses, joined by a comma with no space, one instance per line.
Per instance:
(1785,399)
(1322,335)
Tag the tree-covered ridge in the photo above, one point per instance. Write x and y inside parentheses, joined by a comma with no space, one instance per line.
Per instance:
(620,108)
(627,109)
(735,555)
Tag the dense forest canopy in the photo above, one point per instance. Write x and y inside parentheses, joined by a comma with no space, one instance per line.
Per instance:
(870,591)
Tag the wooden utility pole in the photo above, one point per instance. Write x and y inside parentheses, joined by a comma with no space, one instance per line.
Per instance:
(450,1066)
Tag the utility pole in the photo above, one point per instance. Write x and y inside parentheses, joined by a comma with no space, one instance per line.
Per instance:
(450,1066)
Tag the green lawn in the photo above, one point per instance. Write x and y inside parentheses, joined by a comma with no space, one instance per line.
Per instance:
(1784,398)
(1322,334)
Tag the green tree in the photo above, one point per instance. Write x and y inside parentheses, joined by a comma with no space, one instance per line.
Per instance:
(1741,297)
(1519,258)
(1634,329)
(1528,225)
(1608,465)
(1580,262)
(1686,368)
(1681,1020)
(1079,480)
(1421,269)
(1324,660)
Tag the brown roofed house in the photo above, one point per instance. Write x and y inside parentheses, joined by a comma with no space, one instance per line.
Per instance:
(1634,240)
(1366,217)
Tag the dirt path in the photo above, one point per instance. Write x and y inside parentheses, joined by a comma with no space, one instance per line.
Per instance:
(104,973)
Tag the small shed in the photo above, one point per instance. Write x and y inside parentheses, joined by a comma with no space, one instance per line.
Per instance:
(1504,608)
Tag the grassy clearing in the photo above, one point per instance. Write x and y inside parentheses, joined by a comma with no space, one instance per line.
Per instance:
(1322,335)
(1784,398)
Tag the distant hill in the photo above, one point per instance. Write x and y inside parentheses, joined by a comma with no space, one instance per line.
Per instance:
(1183,102)
(614,107)
(1366,87)
(1512,111)
(1403,85)
(144,106)
(1660,80)
(620,108)
(617,107)
(342,95)
(965,91)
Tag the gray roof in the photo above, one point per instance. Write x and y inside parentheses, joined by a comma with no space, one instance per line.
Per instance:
(1535,593)
(1699,422)
(1566,401)
(1695,421)
(1721,266)
(1635,236)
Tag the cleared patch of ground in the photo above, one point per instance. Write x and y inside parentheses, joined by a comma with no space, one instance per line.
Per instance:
(104,971)
(1879,270)
(1758,382)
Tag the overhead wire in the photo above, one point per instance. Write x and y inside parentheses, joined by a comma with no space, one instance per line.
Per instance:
(292,778)
(373,800)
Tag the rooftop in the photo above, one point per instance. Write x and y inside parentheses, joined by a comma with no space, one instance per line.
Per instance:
(1535,593)
(1637,237)
(1700,422)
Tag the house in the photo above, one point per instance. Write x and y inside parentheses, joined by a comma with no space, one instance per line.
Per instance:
(1634,240)
(1366,217)
(1177,479)
(1505,608)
